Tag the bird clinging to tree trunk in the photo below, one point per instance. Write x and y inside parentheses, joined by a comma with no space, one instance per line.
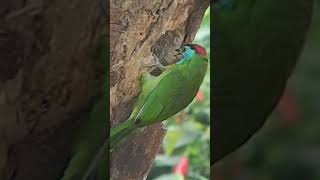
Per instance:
(160,98)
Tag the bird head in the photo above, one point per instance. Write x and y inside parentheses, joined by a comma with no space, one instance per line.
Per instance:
(188,51)
(201,51)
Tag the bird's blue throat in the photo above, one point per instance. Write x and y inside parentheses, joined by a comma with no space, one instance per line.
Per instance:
(186,55)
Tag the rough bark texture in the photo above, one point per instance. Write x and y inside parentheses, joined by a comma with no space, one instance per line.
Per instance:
(47,71)
(140,31)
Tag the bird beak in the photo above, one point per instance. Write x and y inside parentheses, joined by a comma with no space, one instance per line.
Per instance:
(179,50)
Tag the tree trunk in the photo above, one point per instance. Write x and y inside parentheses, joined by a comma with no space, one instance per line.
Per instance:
(139,31)
(47,73)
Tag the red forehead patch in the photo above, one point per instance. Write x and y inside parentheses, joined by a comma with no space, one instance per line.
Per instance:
(199,49)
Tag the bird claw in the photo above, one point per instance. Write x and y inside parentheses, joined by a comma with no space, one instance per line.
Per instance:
(178,54)
(153,66)
(156,64)
(179,50)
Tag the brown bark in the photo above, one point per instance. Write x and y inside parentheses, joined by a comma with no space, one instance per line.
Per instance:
(47,71)
(141,30)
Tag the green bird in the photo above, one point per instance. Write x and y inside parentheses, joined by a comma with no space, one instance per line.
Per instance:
(160,98)
(167,94)
(256,45)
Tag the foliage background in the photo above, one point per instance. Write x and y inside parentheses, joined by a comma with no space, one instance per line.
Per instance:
(188,133)
(288,146)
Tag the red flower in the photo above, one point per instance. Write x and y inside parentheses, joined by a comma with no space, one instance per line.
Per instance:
(288,107)
(182,166)
(200,96)
(180,116)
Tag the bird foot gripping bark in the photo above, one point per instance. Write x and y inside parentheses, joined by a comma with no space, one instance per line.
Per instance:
(156,65)
(154,68)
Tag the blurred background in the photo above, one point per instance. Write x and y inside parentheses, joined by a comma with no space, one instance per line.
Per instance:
(288,146)
(185,152)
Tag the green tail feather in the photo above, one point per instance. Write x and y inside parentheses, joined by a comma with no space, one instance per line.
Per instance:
(119,132)
(116,136)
